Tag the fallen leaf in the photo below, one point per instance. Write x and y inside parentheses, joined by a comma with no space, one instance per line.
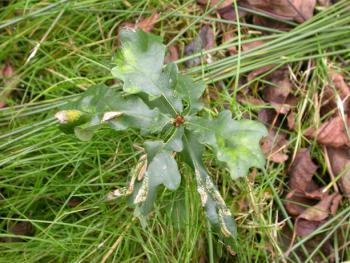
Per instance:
(328,99)
(267,116)
(340,159)
(279,92)
(309,220)
(325,2)
(298,10)
(252,45)
(172,55)
(330,133)
(225,9)
(148,23)
(274,146)
(297,202)
(291,120)
(10,82)
(252,75)
(301,172)
(74,201)
(23,228)
(227,36)
(145,24)
(270,23)
(205,40)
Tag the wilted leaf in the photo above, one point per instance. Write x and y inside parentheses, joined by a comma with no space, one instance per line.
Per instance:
(274,146)
(331,132)
(236,143)
(340,160)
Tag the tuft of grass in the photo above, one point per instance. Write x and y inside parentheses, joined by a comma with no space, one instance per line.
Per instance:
(60,49)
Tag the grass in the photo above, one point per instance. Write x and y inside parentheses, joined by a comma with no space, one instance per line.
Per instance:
(42,170)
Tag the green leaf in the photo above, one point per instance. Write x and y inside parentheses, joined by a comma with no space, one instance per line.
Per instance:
(104,106)
(190,92)
(236,143)
(216,210)
(139,66)
(161,170)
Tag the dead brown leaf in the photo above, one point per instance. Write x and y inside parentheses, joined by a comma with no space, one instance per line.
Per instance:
(274,146)
(227,36)
(145,24)
(10,82)
(252,75)
(74,201)
(225,9)
(267,116)
(172,55)
(23,228)
(298,10)
(330,133)
(340,159)
(309,220)
(148,23)
(291,120)
(270,23)
(301,172)
(328,98)
(279,92)
(205,40)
